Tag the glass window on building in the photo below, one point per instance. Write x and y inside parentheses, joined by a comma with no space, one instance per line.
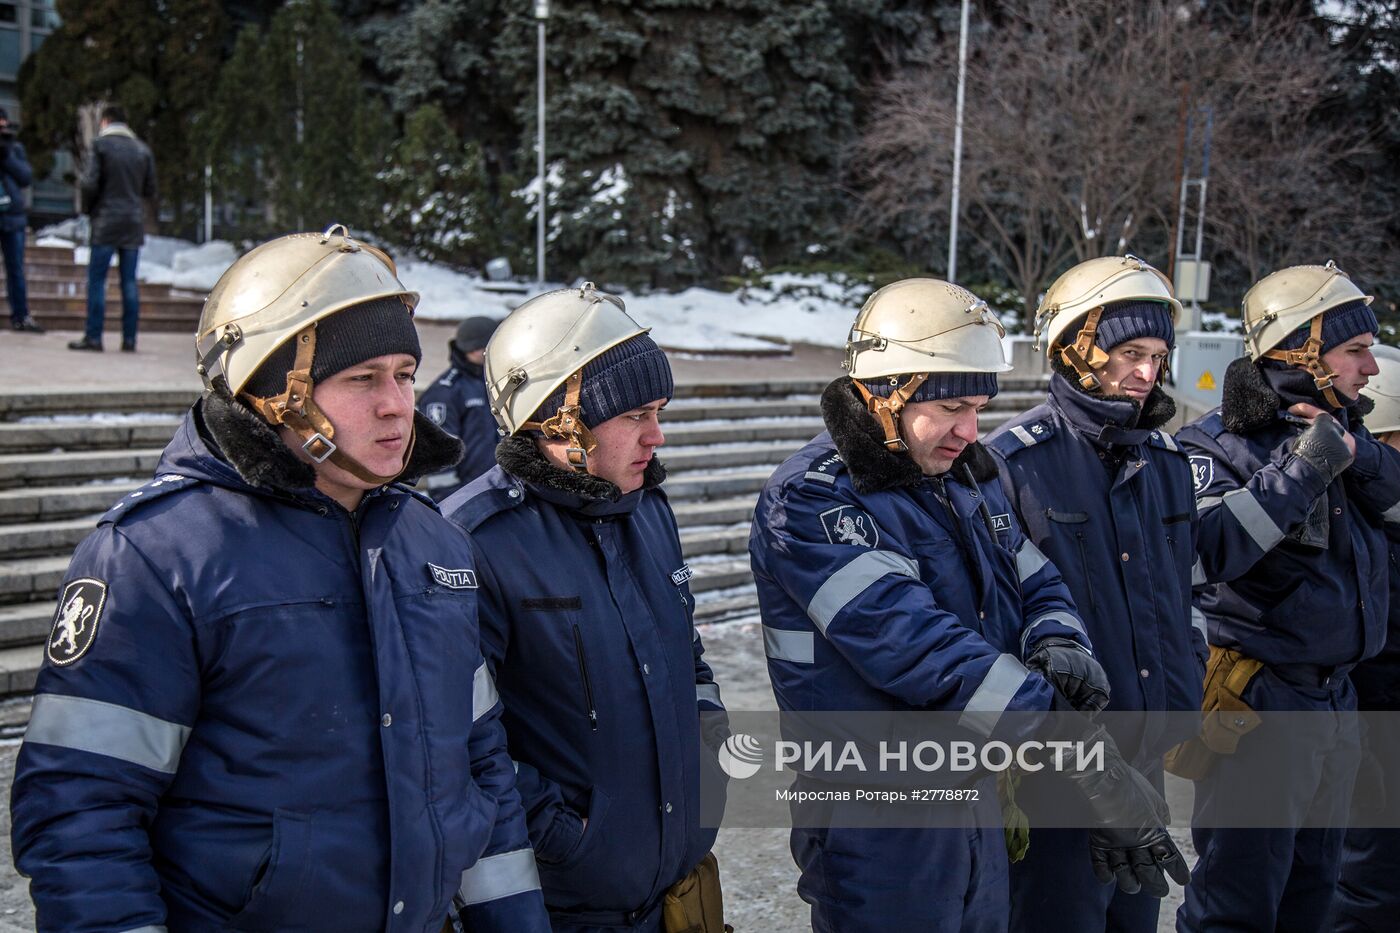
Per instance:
(9,51)
(42,15)
(9,11)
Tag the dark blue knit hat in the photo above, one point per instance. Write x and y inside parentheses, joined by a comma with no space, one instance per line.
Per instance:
(618,380)
(346,338)
(1339,325)
(937,386)
(1122,321)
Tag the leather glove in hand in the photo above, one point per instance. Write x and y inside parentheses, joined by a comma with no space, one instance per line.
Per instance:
(1072,670)
(1323,445)
(1130,845)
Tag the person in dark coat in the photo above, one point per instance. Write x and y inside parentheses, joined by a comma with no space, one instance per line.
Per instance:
(15,176)
(892,576)
(263,704)
(1368,900)
(1104,492)
(456,402)
(119,179)
(586,613)
(1294,495)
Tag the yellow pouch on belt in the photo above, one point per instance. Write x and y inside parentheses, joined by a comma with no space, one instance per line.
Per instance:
(1227,717)
(695,904)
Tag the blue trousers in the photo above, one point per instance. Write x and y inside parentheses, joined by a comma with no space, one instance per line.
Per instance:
(933,880)
(1368,895)
(99,260)
(12,243)
(1281,879)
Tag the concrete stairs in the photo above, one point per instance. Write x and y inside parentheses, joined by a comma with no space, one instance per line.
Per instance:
(67,456)
(57,287)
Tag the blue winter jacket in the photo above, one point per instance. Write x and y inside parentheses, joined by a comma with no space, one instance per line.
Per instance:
(883,589)
(1111,506)
(261,712)
(586,619)
(1298,570)
(15,176)
(457,403)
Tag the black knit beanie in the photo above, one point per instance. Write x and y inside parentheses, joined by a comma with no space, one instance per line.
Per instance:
(349,337)
(618,380)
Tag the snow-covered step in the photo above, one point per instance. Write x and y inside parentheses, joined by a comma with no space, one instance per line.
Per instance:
(19,667)
(719,431)
(35,539)
(26,623)
(716,512)
(701,409)
(725,604)
(15,405)
(28,579)
(704,456)
(732,540)
(716,484)
(124,431)
(75,466)
(55,503)
(712,573)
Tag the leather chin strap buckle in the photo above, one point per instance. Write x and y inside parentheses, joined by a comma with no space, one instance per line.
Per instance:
(566,424)
(294,409)
(1309,356)
(886,410)
(1086,356)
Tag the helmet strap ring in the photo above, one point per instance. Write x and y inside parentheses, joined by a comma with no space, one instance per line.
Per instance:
(566,424)
(1309,356)
(886,411)
(295,410)
(1084,354)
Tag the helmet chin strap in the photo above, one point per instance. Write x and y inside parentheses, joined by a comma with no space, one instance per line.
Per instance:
(886,410)
(294,409)
(1084,355)
(567,425)
(1309,356)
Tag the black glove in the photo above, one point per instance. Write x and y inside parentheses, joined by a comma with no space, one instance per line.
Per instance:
(1323,445)
(1130,845)
(1072,670)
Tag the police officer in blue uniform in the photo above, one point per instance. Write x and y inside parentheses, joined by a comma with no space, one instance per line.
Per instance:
(1293,494)
(1105,493)
(586,611)
(1368,899)
(456,402)
(263,705)
(893,576)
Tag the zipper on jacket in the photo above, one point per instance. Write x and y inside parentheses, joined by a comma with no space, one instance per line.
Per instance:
(1084,560)
(587,684)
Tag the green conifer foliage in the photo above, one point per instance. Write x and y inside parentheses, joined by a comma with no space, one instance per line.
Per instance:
(292,130)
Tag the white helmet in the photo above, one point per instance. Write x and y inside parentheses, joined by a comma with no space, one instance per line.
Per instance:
(1384,390)
(545,343)
(917,327)
(1080,295)
(275,294)
(1283,301)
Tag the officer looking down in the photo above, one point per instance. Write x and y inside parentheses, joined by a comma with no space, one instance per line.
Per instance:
(1105,493)
(1294,496)
(263,705)
(586,612)
(892,575)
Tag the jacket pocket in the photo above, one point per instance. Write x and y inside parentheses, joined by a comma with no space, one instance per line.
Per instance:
(275,893)
(1076,524)
(598,803)
(588,703)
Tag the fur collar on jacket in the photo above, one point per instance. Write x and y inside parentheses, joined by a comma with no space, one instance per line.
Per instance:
(251,446)
(873,467)
(1249,402)
(520,457)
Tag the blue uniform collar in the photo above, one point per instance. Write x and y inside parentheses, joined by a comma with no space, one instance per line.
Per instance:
(1109,422)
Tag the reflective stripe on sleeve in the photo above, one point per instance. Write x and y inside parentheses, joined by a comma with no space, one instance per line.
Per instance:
(1023,435)
(107,729)
(1198,621)
(1198,573)
(1392,514)
(498,876)
(1029,560)
(993,695)
(709,693)
(786,645)
(1064,618)
(145,930)
(1207,502)
(484,695)
(1252,518)
(853,579)
(827,478)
